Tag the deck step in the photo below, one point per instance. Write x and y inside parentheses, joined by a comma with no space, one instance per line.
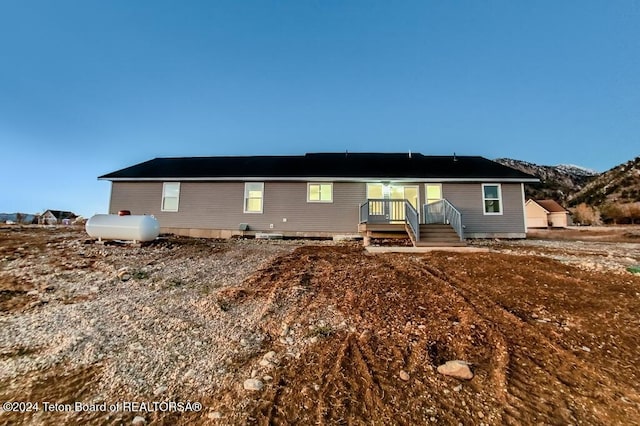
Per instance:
(441,244)
(438,235)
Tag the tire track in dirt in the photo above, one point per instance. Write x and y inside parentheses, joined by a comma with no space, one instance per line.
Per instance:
(515,393)
(571,388)
(59,386)
(411,313)
(353,375)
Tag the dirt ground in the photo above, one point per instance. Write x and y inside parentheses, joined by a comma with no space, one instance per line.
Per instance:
(619,233)
(335,335)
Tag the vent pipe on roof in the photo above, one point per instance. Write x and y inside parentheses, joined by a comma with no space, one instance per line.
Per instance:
(454,157)
(409,153)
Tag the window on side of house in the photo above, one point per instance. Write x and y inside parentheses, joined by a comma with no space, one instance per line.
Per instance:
(170,196)
(319,192)
(492,198)
(433,192)
(253,197)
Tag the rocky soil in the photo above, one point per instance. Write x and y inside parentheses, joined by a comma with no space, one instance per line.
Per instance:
(610,249)
(281,332)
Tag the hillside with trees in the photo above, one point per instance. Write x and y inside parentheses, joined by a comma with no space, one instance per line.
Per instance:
(556,182)
(615,194)
(592,197)
(621,185)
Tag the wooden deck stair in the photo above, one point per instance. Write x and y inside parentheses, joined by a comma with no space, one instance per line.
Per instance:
(437,235)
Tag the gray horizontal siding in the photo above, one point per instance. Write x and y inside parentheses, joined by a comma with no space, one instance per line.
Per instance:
(468,199)
(220,205)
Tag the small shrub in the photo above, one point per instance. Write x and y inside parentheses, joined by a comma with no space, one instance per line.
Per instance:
(175,282)
(634,269)
(224,305)
(321,331)
(140,274)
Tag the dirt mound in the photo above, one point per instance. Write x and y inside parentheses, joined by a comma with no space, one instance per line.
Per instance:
(536,354)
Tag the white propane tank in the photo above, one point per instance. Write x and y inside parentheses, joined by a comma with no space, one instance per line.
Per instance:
(114,227)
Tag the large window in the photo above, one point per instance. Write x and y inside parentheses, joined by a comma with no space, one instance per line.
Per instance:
(320,192)
(170,196)
(492,198)
(433,192)
(253,195)
(376,191)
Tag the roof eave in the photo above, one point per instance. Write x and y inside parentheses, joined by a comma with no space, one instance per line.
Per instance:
(531,200)
(317,178)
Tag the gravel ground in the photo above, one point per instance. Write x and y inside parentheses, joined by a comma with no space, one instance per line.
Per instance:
(150,317)
(180,318)
(614,257)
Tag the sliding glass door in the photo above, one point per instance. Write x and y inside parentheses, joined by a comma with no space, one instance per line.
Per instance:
(392,211)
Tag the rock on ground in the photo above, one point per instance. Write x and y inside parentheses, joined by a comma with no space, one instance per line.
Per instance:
(404,375)
(253,385)
(458,369)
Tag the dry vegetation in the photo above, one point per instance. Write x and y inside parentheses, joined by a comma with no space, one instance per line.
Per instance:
(334,335)
(620,184)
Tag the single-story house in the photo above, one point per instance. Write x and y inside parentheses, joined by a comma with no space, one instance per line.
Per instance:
(325,194)
(56,217)
(546,213)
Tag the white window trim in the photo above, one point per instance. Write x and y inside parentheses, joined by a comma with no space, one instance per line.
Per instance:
(245,198)
(524,207)
(426,195)
(309,200)
(164,184)
(499,200)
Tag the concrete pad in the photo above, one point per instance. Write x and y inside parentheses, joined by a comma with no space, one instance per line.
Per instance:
(380,250)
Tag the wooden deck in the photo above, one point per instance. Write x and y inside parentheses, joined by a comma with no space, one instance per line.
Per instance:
(383,230)
(434,235)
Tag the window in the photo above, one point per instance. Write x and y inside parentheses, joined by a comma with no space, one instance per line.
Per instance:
(320,193)
(433,192)
(376,191)
(492,198)
(170,196)
(253,195)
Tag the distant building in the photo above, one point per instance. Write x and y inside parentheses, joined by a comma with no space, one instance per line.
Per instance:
(57,217)
(546,213)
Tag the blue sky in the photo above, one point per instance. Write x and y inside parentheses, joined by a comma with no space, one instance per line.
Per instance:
(89,87)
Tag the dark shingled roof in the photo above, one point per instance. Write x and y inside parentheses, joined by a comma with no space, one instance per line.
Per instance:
(62,214)
(322,165)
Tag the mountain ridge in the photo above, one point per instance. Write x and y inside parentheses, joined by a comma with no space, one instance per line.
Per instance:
(620,184)
(559,182)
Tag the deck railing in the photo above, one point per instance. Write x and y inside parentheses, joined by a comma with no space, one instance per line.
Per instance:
(379,210)
(364,212)
(443,211)
(412,219)
(391,211)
